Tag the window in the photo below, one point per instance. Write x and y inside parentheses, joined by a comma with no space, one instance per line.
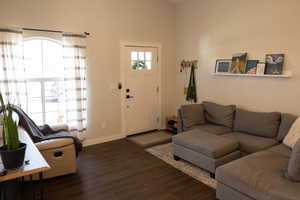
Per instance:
(44,72)
(141,60)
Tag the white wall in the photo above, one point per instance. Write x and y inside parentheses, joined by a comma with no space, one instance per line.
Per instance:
(205,30)
(109,22)
(208,30)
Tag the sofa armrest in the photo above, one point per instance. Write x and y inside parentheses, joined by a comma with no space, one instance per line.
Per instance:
(60,127)
(54,143)
(179,122)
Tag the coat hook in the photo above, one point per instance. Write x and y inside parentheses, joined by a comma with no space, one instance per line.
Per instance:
(186,64)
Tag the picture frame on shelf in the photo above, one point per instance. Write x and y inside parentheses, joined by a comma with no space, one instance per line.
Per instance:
(238,65)
(260,69)
(222,66)
(274,64)
(251,66)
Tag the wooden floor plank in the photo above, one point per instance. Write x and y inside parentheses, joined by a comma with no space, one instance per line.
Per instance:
(120,170)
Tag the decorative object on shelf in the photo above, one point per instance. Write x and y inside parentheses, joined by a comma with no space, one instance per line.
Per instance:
(13,151)
(222,66)
(260,68)
(238,65)
(287,74)
(274,64)
(251,66)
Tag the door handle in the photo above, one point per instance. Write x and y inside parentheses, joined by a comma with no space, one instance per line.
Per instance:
(129,97)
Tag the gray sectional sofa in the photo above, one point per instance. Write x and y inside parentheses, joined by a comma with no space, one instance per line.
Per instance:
(244,149)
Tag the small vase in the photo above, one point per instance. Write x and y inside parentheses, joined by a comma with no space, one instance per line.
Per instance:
(13,159)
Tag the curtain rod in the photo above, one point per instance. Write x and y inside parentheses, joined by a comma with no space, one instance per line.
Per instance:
(44,30)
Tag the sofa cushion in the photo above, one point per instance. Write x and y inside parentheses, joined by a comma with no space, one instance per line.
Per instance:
(287,121)
(293,135)
(219,114)
(192,115)
(257,123)
(251,143)
(212,128)
(260,176)
(293,172)
(225,192)
(281,149)
(210,145)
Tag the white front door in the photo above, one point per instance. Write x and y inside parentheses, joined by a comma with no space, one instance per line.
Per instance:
(140,91)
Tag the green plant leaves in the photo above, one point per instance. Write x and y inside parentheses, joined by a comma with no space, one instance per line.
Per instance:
(11,134)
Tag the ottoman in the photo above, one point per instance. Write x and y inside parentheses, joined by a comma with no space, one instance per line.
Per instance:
(205,150)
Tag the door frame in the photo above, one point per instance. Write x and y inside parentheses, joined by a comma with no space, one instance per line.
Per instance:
(123,45)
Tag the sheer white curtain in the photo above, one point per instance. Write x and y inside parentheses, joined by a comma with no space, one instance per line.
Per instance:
(13,84)
(75,66)
(12,71)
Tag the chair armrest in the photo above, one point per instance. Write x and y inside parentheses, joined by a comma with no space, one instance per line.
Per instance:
(60,127)
(54,143)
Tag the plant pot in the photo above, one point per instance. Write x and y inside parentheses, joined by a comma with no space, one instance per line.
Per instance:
(13,159)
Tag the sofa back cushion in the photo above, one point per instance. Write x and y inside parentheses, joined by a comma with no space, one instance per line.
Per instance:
(293,171)
(192,115)
(257,123)
(293,135)
(219,114)
(287,121)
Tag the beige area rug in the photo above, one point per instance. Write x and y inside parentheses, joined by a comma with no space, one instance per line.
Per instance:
(164,152)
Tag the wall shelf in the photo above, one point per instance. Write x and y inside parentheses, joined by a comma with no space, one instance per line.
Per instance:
(286,74)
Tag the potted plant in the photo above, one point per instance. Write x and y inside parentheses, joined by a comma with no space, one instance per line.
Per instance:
(13,151)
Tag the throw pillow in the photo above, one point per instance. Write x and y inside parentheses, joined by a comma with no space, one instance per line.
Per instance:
(219,114)
(257,123)
(293,171)
(287,121)
(192,115)
(294,134)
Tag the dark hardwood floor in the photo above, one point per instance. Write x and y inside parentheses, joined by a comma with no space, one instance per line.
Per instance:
(121,170)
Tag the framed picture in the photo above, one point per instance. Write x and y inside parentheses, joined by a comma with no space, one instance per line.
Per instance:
(274,64)
(260,68)
(251,66)
(222,66)
(238,65)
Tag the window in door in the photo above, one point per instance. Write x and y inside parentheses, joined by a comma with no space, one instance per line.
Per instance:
(141,60)
(43,60)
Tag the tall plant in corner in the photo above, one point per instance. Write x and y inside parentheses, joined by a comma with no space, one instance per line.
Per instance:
(10,134)
(13,151)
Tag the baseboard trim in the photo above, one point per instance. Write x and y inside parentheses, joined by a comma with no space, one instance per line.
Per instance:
(89,142)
